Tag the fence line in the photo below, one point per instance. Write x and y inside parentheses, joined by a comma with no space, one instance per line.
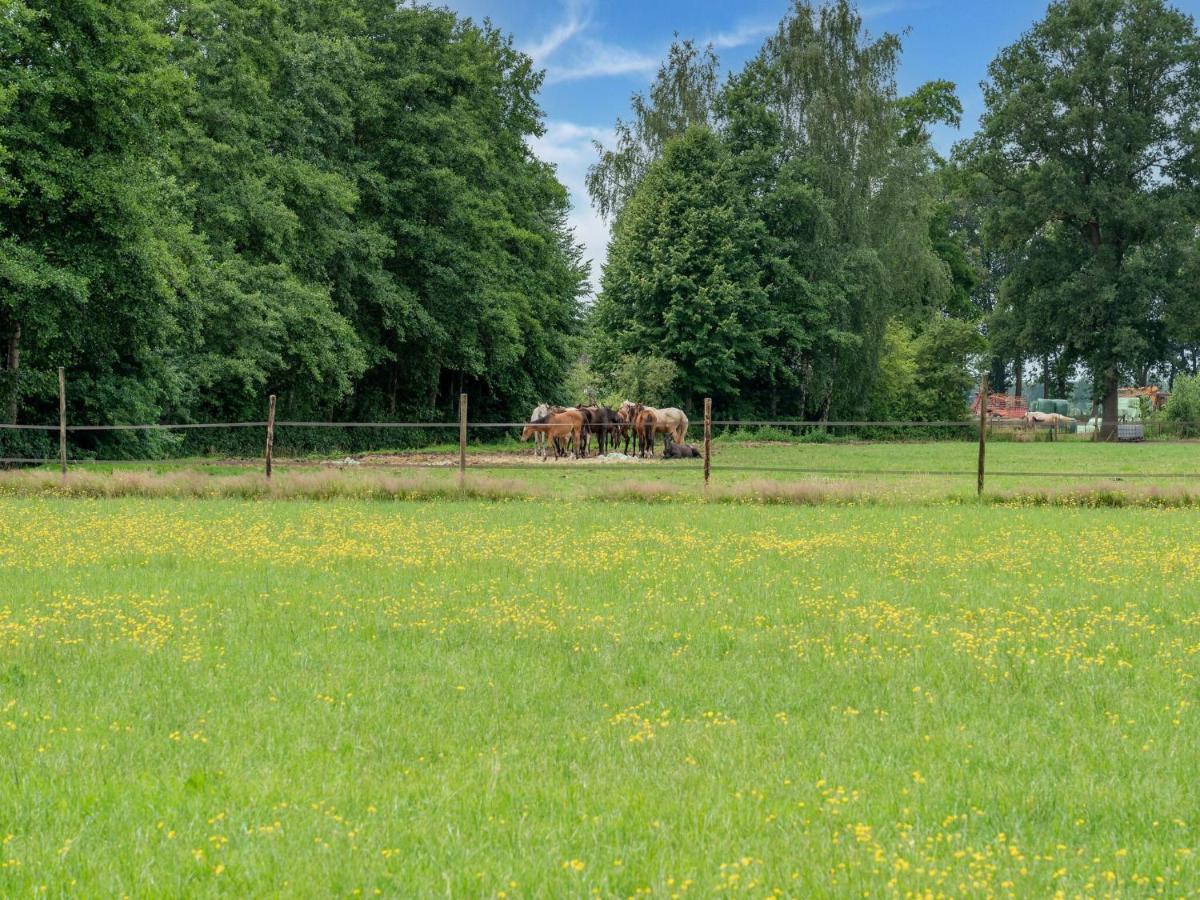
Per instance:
(724,423)
(645,467)
(984,425)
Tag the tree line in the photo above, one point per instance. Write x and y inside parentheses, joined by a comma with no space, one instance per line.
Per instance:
(788,242)
(205,202)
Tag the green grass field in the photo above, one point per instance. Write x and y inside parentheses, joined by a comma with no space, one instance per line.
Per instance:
(918,471)
(555,698)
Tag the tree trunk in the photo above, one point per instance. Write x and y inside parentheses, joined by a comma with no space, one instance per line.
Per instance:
(826,404)
(1108,428)
(14,371)
(805,378)
(1018,377)
(998,376)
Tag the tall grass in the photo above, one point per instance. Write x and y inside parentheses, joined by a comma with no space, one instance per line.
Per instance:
(382,485)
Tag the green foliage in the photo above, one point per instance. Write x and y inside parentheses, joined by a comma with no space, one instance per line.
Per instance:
(582,384)
(681,280)
(1087,170)
(1183,409)
(208,201)
(682,95)
(893,396)
(93,252)
(945,349)
(926,376)
(765,252)
(643,378)
(932,103)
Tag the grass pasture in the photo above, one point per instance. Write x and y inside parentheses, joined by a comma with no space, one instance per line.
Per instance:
(555,698)
(929,471)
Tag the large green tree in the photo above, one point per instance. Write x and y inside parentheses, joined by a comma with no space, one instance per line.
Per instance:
(274,204)
(834,175)
(92,250)
(206,201)
(683,94)
(484,278)
(682,280)
(1087,159)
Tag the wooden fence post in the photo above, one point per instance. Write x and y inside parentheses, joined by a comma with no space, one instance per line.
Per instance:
(62,421)
(983,411)
(270,454)
(707,439)
(462,440)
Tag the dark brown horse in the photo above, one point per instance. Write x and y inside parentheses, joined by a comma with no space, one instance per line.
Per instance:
(603,423)
(671,450)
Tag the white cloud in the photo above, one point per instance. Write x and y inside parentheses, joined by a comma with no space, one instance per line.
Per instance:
(880,9)
(568,146)
(577,18)
(742,34)
(600,60)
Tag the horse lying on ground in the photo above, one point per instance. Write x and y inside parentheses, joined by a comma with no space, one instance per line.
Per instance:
(671,450)
(558,428)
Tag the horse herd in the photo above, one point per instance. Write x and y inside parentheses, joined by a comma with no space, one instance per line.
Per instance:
(567,427)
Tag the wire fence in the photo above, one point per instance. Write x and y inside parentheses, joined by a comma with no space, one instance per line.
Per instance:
(277,448)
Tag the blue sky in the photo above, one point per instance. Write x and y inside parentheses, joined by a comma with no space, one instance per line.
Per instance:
(598,52)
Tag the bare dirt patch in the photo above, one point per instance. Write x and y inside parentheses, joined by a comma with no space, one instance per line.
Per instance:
(449,460)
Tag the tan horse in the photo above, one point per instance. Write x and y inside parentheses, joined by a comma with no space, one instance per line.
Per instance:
(559,428)
(669,420)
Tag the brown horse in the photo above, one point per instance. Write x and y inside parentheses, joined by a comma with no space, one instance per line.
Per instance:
(644,422)
(559,428)
(602,422)
(539,438)
(623,428)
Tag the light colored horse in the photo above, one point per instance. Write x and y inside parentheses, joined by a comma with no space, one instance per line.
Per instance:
(541,411)
(669,420)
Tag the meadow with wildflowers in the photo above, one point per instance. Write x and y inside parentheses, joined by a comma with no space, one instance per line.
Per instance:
(537,698)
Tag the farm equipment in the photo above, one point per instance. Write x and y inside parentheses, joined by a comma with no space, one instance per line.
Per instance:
(1157,396)
(1003,406)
